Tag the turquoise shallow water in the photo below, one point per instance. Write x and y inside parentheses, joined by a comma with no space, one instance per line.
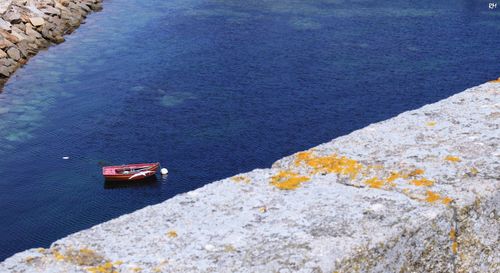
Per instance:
(214,88)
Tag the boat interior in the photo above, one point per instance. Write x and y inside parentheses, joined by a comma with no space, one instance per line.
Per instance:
(128,170)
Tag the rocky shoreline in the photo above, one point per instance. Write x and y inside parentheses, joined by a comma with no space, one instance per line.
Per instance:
(27,26)
(416,193)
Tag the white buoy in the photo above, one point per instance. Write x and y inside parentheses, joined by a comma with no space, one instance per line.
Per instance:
(164,171)
(65,157)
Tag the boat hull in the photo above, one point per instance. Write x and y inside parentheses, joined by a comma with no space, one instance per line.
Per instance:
(130,172)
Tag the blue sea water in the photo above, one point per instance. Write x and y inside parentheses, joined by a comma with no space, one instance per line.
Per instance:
(211,88)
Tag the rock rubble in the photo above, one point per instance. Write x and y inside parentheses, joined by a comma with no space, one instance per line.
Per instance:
(27,26)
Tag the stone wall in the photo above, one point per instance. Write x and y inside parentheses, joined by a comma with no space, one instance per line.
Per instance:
(26,26)
(416,193)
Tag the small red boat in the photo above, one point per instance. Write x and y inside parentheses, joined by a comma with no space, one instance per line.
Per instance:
(130,172)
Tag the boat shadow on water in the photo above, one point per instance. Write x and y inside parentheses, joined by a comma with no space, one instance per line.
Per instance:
(143,183)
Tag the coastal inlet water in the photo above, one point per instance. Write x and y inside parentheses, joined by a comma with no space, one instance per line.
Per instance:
(214,88)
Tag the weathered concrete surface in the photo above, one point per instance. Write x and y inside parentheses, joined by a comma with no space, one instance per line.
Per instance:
(27,26)
(416,193)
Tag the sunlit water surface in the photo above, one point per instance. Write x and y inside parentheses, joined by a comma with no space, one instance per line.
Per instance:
(213,88)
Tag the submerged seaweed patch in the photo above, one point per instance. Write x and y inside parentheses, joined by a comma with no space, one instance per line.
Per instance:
(175,98)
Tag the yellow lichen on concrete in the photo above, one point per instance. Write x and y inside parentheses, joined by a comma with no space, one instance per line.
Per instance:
(452,234)
(454,247)
(103,268)
(452,158)
(288,180)
(330,164)
(229,248)
(94,262)
(446,200)
(58,256)
(83,257)
(172,234)
(393,177)
(423,182)
(375,182)
(241,178)
(378,183)
(346,166)
(453,238)
(29,259)
(432,197)
(431,123)
(416,172)
(302,156)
